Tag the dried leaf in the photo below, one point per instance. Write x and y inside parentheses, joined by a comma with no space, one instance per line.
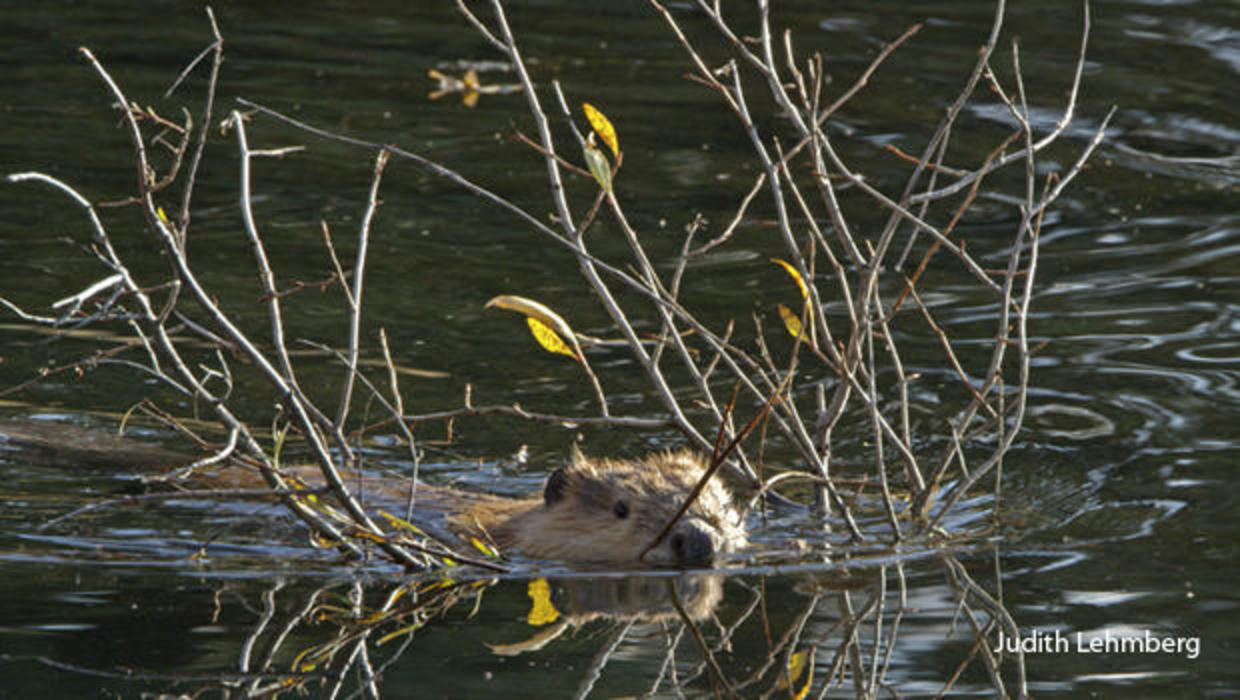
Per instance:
(542,611)
(602,126)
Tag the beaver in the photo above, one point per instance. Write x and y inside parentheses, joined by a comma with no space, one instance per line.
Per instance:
(608,510)
(590,511)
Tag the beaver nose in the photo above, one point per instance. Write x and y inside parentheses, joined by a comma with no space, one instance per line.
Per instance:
(693,546)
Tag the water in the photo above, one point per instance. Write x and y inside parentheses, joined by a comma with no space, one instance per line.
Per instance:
(1118,517)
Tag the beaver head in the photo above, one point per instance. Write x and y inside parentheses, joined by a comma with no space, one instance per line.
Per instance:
(609,510)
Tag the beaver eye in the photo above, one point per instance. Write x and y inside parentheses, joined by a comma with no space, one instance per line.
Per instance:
(621,509)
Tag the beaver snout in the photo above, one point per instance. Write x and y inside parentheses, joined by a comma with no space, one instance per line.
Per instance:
(692,545)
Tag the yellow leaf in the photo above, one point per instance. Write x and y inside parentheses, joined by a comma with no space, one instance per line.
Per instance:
(408,629)
(796,276)
(602,126)
(398,594)
(598,165)
(159,211)
(799,664)
(792,322)
(371,536)
(547,338)
(443,583)
(542,611)
(401,523)
(553,325)
(374,618)
(484,547)
(297,662)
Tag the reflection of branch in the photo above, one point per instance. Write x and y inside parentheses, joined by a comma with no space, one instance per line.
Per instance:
(781,649)
(708,656)
(970,590)
(342,633)
(600,661)
(264,619)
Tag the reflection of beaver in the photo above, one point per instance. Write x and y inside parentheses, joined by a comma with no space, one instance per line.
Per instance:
(591,510)
(564,604)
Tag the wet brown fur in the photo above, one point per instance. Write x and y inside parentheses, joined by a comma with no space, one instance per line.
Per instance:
(609,510)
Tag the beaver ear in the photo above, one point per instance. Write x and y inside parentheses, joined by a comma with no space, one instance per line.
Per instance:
(557,485)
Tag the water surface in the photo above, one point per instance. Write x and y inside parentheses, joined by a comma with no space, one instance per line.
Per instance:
(1118,514)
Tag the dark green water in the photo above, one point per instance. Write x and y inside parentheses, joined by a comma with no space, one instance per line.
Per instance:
(1121,478)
